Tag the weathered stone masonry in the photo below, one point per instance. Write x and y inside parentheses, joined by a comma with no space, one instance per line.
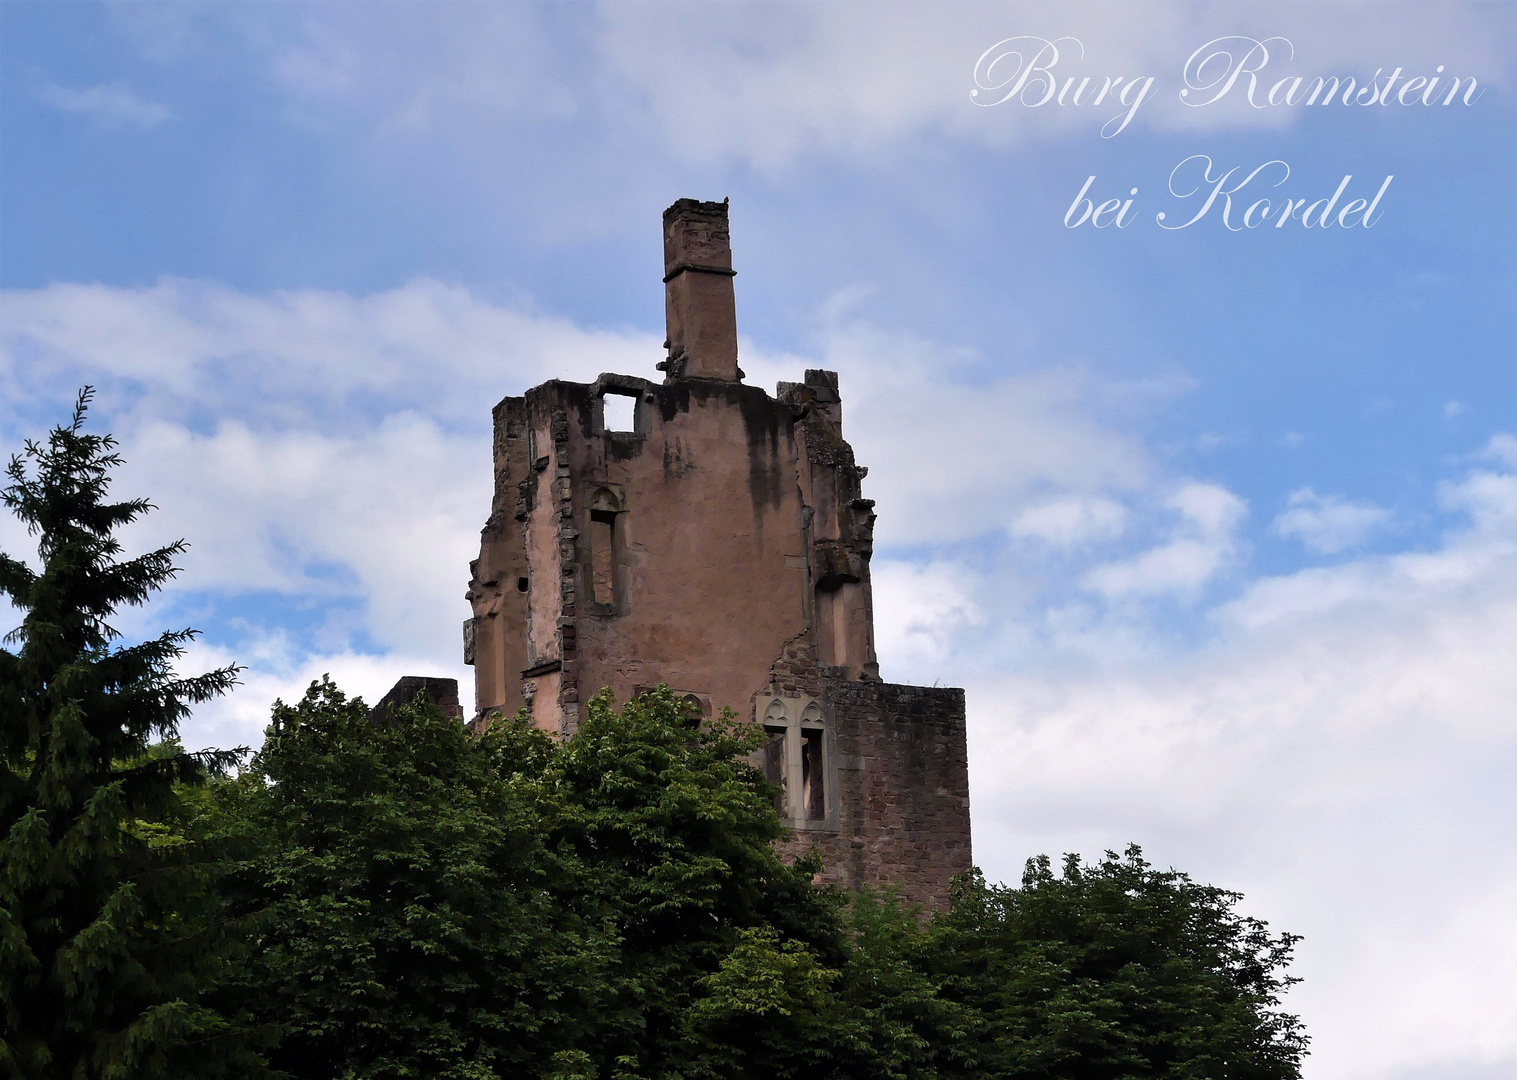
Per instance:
(721,545)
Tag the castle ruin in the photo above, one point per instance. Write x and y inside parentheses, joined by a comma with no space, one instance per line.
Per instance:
(699,533)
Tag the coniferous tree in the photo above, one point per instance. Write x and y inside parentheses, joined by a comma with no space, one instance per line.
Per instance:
(110,932)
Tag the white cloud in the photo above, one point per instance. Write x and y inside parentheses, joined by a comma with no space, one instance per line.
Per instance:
(1328,524)
(276,670)
(918,611)
(765,83)
(1502,449)
(910,408)
(298,354)
(1488,496)
(1336,751)
(1207,508)
(1202,543)
(768,83)
(388,520)
(1072,522)
(112,105)
(413,72)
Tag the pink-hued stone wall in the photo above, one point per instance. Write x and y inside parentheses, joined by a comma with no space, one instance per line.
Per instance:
(722,547)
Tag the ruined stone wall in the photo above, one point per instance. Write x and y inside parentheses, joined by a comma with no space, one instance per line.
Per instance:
(720,546)
(670,554)
(494,641)
(839,527)
(896,809)
(903,770)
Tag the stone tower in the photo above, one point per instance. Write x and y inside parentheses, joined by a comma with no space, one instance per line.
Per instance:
(700,533)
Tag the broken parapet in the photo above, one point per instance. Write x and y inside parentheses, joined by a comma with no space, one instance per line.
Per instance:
(440,692)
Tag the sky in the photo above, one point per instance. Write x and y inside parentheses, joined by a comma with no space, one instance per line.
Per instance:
(1216,524)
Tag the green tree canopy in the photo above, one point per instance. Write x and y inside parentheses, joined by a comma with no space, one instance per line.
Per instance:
(416,927)
(451,905)
(1117,970)
(611,905)
(109,936)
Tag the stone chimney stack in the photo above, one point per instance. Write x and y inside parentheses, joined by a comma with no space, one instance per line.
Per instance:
(699,308)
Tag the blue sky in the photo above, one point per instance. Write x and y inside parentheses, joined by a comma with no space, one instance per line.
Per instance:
(1219,530)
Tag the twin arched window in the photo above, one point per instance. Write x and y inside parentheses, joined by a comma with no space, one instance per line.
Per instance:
(795,756)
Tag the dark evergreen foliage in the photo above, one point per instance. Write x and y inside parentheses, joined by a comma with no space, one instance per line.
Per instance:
(110,934)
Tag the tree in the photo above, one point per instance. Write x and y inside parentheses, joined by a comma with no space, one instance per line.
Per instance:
(416,923)
(611,906)
(774,1010)
(110,934)
(676,831)
(451,905)
(1117,970)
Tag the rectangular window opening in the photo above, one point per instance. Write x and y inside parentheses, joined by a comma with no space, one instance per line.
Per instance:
(620,412)
(603,556)
(813,775)
(774,764)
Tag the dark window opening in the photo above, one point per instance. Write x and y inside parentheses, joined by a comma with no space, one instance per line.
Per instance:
(521,584)
(603,557)
(774,763)
(813,775)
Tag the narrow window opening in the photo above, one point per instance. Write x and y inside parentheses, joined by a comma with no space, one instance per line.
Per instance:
(603,556)
(620,412)
(774,764)
(813,775)
(521,584)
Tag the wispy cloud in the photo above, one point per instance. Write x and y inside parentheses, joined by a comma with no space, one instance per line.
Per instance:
(770,84)
(1328,524)
(1200,545)
(111,105)
(1072,522)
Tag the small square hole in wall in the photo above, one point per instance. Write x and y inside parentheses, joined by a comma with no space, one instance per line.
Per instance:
(620,412)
